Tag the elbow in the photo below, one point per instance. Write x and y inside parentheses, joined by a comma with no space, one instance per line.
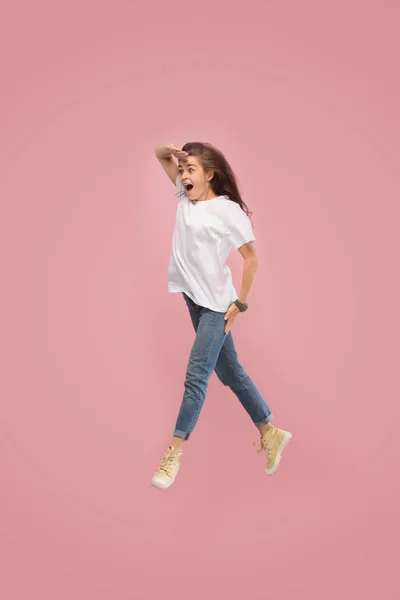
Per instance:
(252,262)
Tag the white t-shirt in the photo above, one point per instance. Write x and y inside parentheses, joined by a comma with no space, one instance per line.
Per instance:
(204,234)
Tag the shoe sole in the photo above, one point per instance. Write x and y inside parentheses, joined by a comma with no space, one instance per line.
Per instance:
(161,486)
(285,441)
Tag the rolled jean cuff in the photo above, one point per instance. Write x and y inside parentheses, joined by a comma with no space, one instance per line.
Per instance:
(181,434)
(265,421)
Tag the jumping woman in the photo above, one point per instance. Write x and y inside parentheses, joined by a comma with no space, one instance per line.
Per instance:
(211,220)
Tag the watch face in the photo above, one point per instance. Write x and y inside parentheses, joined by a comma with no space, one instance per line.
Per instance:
(241,306)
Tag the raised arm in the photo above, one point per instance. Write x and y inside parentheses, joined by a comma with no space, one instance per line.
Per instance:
(165,154)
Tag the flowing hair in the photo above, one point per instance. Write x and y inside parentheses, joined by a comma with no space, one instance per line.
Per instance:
(224,182)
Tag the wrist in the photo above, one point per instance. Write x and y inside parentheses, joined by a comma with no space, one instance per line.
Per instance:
(164,151)
(242,306)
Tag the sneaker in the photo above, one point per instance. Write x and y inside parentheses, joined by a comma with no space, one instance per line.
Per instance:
(168,469)
(273,442)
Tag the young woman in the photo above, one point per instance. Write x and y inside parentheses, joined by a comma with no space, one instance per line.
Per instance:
(211,220)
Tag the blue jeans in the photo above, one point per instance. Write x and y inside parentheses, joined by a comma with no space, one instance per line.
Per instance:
(214,350)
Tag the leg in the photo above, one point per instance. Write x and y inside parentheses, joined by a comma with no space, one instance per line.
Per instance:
(231,373)
(210,336)
(194,311)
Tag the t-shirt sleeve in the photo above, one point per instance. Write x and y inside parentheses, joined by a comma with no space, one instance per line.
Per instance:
(239,228)
(180,190)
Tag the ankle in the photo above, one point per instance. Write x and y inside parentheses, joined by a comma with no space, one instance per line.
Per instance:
(178,443)
(264,428)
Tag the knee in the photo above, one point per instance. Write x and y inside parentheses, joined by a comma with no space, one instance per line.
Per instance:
(222,379)
(230,376)
(225,376)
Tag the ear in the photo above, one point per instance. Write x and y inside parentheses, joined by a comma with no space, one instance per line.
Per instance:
(210,175)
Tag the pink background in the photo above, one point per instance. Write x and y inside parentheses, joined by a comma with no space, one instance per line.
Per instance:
(302,97)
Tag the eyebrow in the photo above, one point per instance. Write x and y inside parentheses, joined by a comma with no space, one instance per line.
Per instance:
(188,165)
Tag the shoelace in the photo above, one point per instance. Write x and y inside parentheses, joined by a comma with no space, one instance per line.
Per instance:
(263,446)
(168,462)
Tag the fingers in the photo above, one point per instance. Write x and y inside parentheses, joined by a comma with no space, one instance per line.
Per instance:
(229,321)
(230,317)
(180,154)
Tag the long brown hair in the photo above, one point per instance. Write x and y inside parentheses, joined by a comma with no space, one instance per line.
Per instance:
(224,182)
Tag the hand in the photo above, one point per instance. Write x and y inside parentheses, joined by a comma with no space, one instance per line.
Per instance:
(165,151)
(178,153)
(230,316)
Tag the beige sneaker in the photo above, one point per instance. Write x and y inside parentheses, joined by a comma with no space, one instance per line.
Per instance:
(168,469)
(273,442)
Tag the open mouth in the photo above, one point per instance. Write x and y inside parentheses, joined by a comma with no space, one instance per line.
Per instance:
(188,187)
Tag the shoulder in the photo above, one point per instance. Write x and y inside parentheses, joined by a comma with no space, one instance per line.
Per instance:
(229,205)
(232,209)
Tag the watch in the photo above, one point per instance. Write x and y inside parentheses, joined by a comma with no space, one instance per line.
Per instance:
(241,305)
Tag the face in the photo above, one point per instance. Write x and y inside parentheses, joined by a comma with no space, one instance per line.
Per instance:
(191,174)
